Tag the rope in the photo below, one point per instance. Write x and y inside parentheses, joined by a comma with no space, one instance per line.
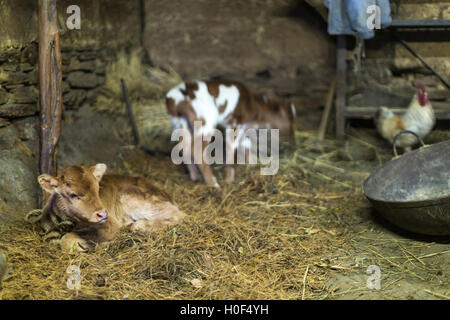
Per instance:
(57,223)
(34,216)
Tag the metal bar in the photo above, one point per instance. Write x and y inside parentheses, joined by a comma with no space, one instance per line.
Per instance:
(422,60)
(420,24)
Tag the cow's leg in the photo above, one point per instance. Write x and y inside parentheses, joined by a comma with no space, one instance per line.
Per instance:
(148,226)
(187,145)
(181,122)
(205,169)
(71,242)
(144,211)
(189,123)
(230,153)
(194,174)
(157,216)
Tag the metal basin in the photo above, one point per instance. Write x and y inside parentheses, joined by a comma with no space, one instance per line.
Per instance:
(413,191)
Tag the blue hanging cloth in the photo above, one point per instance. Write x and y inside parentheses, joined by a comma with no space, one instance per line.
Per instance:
(357,17)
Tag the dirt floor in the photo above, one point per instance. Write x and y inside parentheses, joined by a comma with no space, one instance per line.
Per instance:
(307,232)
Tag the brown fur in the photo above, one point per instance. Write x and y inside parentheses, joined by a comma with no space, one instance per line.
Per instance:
(171,107)
(223,107)
(191,87)
(213,88)
(251,108)
(79,194)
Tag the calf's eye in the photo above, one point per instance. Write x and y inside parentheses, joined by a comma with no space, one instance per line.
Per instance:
(74,196)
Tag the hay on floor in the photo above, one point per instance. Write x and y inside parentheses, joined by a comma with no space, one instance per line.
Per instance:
(264,237)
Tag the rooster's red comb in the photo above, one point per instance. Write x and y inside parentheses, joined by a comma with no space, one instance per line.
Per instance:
(420,85)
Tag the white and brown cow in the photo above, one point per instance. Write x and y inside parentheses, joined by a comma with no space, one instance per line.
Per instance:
(229,105)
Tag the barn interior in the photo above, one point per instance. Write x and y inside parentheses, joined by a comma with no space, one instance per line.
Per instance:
(307,232)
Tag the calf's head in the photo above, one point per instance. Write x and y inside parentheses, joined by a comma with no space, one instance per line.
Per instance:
(282,112)
(75,193)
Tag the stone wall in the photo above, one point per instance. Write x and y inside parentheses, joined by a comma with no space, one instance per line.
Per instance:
(277,44)
(106,25)
(281,44)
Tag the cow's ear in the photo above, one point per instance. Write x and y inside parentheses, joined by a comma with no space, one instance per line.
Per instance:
(98,170)
(48,183)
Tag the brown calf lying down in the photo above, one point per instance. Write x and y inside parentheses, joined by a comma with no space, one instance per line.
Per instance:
(100,205)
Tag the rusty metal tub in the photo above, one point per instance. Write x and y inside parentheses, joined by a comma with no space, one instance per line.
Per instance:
(413,191)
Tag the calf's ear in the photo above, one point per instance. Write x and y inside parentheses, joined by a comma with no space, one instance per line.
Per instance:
(98,170)
(48,183)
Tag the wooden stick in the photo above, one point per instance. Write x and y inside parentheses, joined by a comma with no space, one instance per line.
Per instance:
(134,129)
(437,294)
(50,86)
(304,282)
(130,114)
(326,112)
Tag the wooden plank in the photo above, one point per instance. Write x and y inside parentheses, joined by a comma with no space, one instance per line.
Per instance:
(368,112)
(50,85)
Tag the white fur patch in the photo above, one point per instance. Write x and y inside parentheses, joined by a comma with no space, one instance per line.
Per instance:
(204,107)
(176,94)
(230,96)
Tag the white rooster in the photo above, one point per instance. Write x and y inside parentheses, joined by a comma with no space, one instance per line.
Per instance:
(419,118)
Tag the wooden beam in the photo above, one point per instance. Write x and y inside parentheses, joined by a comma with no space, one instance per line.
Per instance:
(50,85)
(356,112)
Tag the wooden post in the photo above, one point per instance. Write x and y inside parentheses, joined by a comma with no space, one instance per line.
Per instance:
(341,87)
(326,112)
(50,85)
(130,114)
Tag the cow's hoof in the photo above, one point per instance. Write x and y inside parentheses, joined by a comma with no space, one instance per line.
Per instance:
(71,243)
(195,177)
(213,184)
